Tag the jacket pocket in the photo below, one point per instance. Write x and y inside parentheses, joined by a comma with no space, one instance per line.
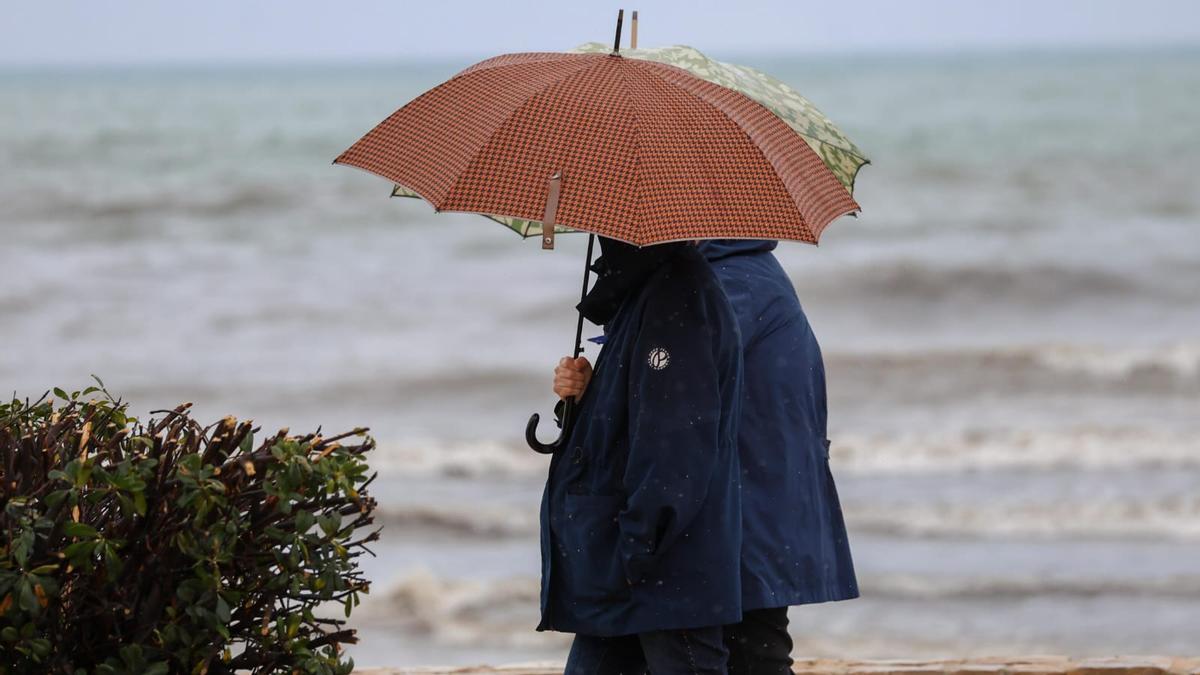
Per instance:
(589,538)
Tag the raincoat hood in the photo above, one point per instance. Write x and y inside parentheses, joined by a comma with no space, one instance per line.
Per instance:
(715,249)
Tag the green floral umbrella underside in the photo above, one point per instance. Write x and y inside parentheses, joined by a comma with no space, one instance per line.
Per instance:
(842,157)
(525,228)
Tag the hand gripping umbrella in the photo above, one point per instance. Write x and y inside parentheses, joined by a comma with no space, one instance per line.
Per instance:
(629,148)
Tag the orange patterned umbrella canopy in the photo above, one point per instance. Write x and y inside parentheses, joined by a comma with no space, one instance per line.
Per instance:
(631,149)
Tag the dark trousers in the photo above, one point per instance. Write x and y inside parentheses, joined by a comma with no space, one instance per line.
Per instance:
(698,651)
(760,644)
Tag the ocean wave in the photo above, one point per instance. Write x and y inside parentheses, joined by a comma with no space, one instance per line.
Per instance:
(975,588)
(1166,366)
(1034,285)
(1175,518)
(1084,449)
(504,612)
(475,459)
(1179,360)
(461,611)
(241,199)
(476,521)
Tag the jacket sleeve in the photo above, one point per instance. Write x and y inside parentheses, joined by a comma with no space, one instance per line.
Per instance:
(674,424)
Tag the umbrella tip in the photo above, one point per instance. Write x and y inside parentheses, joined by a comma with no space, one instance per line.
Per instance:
(617,41)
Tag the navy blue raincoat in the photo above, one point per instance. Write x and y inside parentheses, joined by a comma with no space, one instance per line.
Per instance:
(641,521)
(794,547)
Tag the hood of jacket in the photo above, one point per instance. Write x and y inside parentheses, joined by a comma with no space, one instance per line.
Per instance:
(621,270)
(715,249)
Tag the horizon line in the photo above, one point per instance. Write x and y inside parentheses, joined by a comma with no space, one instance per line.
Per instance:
(1031,49)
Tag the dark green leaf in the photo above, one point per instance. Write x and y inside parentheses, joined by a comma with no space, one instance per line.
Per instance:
(222,609)
(80,552)
(112,561)
(73,529)
(55,498)
(27,600)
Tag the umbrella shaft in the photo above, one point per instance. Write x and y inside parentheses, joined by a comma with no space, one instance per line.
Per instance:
(587,273)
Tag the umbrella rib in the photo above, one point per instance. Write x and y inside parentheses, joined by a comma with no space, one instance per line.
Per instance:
(807,226)
(637,150)
(706,166)
(508,118)
(658,55)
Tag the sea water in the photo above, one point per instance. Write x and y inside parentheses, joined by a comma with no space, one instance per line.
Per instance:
(1011,328)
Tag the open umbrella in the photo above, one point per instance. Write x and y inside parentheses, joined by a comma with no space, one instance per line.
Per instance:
(836,149)
(633,149)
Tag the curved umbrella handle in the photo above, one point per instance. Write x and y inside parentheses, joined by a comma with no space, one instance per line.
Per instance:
(568,412)
(568,419)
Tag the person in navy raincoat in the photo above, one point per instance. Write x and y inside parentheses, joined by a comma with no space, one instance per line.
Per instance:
(641,519)
(795,549)
(794,545)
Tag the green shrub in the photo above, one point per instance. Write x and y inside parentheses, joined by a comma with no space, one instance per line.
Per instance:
(168,547)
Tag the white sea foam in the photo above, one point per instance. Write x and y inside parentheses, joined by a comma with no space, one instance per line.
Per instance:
(471,459)
(1038,364)
(504,612)
(949,587)
(1087,448)
(460,612)
(1174,518)
(932,452)
(475,520)
(1180,358)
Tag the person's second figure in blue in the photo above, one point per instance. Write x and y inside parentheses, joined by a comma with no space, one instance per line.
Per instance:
(794,545)
(641,520)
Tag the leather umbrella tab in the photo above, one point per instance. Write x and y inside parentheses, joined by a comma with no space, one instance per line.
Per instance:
(552,189)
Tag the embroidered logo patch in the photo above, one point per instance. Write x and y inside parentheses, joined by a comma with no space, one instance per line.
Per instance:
(659,358)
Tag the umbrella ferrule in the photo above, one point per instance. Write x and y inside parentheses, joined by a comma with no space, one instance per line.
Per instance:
(617,40)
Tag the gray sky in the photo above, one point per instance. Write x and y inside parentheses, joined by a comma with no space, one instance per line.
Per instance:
(208,31)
